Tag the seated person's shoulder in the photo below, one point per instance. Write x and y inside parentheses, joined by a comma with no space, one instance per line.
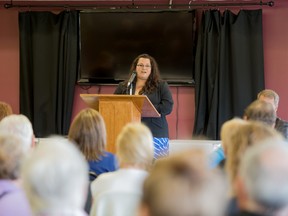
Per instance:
(282,127)
(280,123)
(109,155)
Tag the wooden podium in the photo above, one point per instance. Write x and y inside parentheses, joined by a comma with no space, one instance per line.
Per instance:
(118,110)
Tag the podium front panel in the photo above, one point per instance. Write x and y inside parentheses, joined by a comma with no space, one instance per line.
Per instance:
(118,110)
(116,115)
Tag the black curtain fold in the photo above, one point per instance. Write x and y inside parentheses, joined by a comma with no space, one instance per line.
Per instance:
(48,69)
(229,67)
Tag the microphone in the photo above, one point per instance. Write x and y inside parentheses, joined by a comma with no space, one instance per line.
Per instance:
(132,77)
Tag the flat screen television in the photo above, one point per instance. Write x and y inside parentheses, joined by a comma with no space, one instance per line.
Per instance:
(109,42)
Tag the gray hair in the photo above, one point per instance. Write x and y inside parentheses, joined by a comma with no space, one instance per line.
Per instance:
(11,155)
(20,126)
(264,170)
(261,111)
(134,145)
(268,93)
(55,176)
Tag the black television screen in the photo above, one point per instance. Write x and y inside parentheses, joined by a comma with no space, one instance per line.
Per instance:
(109,42)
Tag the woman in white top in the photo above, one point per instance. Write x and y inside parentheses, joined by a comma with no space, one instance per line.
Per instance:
(118,193)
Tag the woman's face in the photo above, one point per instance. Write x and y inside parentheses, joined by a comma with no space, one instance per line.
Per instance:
(143,68)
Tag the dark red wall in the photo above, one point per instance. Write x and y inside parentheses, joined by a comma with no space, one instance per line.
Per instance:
(9,58)
(275,29)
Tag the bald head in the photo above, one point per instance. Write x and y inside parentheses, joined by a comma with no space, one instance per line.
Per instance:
(261,111)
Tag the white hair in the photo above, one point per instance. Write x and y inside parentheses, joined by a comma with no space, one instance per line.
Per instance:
(11,156)
(20,126)
(264,170)
(55,176)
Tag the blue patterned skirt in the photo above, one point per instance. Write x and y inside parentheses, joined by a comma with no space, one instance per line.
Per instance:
(161,147)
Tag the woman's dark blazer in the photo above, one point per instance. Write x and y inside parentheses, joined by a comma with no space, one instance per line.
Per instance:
(162,100)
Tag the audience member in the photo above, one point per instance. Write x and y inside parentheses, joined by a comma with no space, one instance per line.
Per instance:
(247,135)
(55,179)
(260,111)
(262,183)
(12,198)
(228,129)
(5,110)
(20,126)
(89,133)
(272,97)
(118,193)
(182,185)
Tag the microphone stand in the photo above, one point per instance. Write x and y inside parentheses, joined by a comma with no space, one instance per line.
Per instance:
(130,89)
(130,83)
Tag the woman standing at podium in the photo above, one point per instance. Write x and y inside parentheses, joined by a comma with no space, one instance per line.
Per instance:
(144,79)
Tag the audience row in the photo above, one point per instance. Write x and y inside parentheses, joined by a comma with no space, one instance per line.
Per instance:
(76,176)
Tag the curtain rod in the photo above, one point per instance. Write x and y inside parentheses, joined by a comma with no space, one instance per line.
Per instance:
(141,6)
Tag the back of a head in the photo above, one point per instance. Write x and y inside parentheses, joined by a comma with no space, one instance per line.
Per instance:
(261,111)
(11,155)
(134,146)
(20,126)
(55,176)
(264,170)
(5,110)
(88,131)
(246,135)
(229,129)
(178,186)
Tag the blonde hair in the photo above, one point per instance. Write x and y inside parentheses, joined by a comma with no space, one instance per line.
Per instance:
(228,130)
(246,136)
(5,110)
(134,145)
(88,131)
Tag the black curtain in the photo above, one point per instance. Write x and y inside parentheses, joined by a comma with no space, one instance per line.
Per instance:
(48,69)
(229,68)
